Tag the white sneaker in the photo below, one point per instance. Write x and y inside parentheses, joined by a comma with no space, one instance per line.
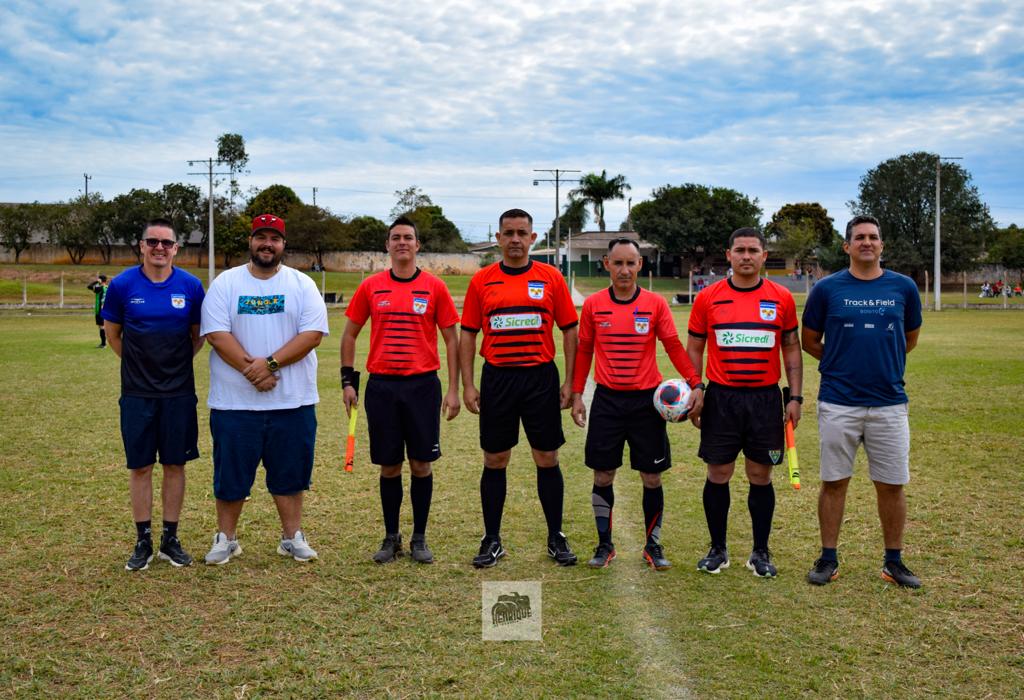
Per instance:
(223,549)
(297,548)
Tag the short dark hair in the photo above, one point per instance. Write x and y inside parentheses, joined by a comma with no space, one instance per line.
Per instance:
(861,219)
(514,214)
(616,241)
(404,220)
(160,221)
(103,278)
(748,232)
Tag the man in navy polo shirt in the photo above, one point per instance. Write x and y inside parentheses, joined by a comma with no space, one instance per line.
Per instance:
(151,317)
(861,323)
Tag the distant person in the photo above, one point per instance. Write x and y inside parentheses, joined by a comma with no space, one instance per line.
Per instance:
(152,316)
(99,288)
(861,323)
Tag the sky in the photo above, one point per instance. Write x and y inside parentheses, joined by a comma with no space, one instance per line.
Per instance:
(783,101)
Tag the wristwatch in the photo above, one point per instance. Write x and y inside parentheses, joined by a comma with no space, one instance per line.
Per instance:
(272,364)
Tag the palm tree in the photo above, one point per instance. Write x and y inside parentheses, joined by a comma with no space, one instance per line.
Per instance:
(597,189)
(575,215)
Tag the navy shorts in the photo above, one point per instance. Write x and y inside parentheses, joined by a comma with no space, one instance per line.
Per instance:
(404,417)
(620,417)
(509,395)
(741,418)
(283,440)
(159,429)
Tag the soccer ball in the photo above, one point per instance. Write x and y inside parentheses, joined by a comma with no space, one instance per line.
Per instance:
(670,399)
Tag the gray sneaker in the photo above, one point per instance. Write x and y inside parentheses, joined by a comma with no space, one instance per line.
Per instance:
(420,551)
(297,548)
(223,549)
(390,549)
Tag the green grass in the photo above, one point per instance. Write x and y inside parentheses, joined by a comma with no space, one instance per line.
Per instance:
(75,624)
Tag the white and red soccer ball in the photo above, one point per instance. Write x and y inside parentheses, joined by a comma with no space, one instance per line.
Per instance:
(670,399)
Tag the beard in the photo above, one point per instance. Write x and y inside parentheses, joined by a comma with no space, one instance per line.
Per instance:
(275,260)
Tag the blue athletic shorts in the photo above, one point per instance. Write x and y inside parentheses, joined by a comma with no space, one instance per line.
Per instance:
(164,427)
(283,440)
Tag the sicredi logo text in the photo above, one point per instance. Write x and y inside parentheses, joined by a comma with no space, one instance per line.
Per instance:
(745,339)
(508,322)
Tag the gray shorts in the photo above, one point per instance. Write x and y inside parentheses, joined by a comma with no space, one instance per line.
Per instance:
(885,432)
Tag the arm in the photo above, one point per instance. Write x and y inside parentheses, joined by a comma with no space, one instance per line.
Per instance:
(681,361)
(451,406)
(113,331)
(350,395)
(695,351)
(467,351)
(570,338)
(911,338)
(812,342)
(197,340)
(793,360)
(232,352)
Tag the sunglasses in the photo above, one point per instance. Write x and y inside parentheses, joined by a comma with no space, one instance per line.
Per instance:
(167,243)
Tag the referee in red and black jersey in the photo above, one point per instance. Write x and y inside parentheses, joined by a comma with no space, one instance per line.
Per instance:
(406,306)
(620,325)
(516,303)
(745,321)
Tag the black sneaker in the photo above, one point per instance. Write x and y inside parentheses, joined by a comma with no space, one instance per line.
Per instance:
(490,552)
(898,573)
(760,562)
(654,555)
(824,571)
(172,551)
(603,555)
(390,549)
(716,560)
(419,550)
(141,557)
(558,549)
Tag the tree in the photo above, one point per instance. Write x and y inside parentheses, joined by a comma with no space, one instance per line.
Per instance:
(409,199)
(233,239)
(900,193)
(811,214)
(436,233)
(72,225)
(129,214)
(231,150)
(276,199)
(597,189)
(317,231)
(572,221)
(182,204)
(1008,249)
(17,223)
(694,220)
(368,233)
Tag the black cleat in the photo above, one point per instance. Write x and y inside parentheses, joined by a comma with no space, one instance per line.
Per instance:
(760,562)
(716,560)
(603,555)
(558,549)
(490,552)
(824,571)
(390,549)
(419,550)
(141,557)
(172,551)
(654,555)
(898,573)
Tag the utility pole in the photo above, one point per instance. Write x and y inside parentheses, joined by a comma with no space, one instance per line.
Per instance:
(87,178)
(210,163)
(314,195)
(937,305)
(558,179)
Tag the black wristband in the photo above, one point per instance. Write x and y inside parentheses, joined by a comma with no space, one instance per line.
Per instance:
(798,399)
(698,385)
(349,377)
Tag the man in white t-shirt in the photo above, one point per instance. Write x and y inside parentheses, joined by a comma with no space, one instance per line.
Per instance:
(264,320)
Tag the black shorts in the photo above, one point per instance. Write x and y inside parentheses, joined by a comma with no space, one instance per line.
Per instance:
(167,427)
(618,417)
(509,395)
(741,418)
(403,414)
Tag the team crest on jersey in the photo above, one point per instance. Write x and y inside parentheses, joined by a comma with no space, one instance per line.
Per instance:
(775,455)
(419,305)
(535,290)
(768,311)
(642,325)
(178,301)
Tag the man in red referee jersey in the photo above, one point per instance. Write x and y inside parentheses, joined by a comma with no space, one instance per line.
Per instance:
(744,320)
(516,303)
(406,306)
(620,326)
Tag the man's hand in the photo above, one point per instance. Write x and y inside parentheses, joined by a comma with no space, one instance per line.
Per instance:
(793,412)
(694,405)
(256,371)
(471,397)
(579,411)
(565,395)
(451,406)
(268,383)
(350,398)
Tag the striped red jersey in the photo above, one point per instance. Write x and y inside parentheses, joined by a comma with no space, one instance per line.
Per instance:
(405,314)
(743,328)
(622,335)
(517,309)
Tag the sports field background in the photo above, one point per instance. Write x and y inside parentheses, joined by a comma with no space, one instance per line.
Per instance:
(75,624)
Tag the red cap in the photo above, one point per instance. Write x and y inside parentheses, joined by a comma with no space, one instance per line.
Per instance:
(268,221)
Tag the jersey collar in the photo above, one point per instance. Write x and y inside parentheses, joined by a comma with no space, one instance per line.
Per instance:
(743,290)
(515,270)
(396,278)
(611,295)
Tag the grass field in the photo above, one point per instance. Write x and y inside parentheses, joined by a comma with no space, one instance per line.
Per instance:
(75,624)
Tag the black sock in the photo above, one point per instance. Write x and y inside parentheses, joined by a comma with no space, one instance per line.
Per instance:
(421,490)
(170,530)
(492,499)
(829,554)
(103,336)
(893,555)
(654,507)
(716,510)
(551,491)
(602,498)
(144,530)
(761,502)
(391,502)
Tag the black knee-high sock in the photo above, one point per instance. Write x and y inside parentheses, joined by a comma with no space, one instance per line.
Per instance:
(602,498)
(492,499)
(551,491)
(103,336)
(761,502)
(391,502)
(421,490)
(654,506)
(716,510)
